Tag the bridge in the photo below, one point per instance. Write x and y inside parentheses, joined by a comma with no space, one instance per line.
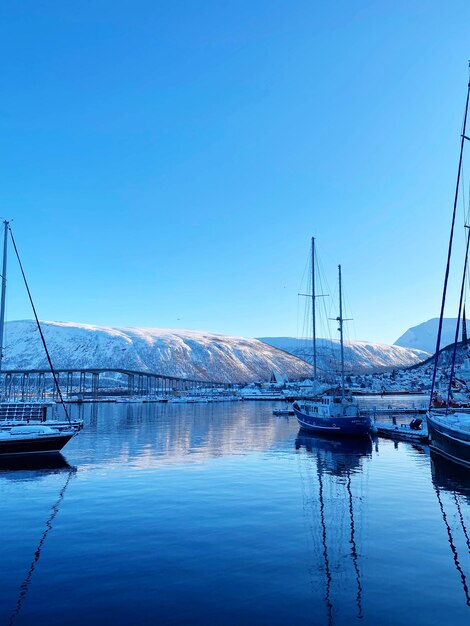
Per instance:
(93,383)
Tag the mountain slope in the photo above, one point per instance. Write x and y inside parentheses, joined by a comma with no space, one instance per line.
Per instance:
(423,336)
(183,353)
(359,356)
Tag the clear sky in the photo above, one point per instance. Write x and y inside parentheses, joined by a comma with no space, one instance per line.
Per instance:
(166,162)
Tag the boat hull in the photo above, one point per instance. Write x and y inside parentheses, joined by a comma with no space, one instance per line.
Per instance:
(343,426)
(34,445)
(449,442)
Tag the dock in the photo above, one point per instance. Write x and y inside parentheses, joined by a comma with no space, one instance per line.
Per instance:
(402,431)
(390,410)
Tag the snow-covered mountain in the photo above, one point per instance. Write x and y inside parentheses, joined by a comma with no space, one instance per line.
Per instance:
(423,336)
(183,353)
(359,356)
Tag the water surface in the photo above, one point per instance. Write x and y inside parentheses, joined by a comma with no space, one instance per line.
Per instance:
(223,513)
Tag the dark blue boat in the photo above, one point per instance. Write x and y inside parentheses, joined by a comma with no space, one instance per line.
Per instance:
(449,436)
(335,415)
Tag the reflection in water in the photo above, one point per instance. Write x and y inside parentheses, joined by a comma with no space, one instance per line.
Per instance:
(354,555)
(24,587)
(329,605)
(462,521)
(336,461)
(156,435)
(43,462)
(451,478)
(218,476)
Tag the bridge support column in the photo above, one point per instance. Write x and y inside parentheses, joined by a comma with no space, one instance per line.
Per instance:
(95,384)
(68,390)
(7,386)
(130,384)
(24,381)
(41,386)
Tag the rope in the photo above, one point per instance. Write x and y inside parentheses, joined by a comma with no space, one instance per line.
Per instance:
(39,328)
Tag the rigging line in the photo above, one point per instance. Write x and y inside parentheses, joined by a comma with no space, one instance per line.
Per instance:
(468,204)
(462,521)
(39,327)
(354,553)
(457,326)
(464,207)
(24,587)
(449,251)
(452,546)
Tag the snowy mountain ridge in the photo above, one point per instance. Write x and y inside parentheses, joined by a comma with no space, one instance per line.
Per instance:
(424,336)
(359,356)
(190,354)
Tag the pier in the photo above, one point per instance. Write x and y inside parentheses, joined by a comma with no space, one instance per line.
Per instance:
(94,384)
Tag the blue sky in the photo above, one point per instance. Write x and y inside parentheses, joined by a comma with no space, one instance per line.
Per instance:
(166,163)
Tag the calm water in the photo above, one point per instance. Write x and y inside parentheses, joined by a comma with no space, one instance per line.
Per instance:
(222,514)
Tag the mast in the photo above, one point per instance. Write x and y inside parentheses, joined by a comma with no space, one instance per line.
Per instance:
(340,320)
(314,333)
(463,137)
(464,329)
(4,286)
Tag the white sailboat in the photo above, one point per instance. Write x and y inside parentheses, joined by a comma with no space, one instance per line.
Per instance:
(24,426)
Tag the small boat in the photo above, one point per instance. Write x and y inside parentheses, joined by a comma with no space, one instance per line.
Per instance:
(24,427)
(414,431)
(334,413)
(33,439)
(449,425)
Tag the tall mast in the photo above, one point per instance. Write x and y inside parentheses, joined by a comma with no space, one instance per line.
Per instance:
(340,320)
(4,286)
(463,137)
(314,333)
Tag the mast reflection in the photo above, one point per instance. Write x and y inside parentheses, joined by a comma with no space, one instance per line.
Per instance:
(449,478)
(44,466)
(337,460)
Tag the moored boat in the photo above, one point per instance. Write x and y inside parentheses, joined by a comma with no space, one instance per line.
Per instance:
(24,426)
(335,413)
(449,425)
(450,435)
(332,414)
(33,439)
